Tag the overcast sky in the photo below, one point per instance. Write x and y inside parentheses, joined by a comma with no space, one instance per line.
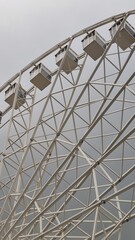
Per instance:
(30,27)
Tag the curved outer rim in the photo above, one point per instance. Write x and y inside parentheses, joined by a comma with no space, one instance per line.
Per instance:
(51,50)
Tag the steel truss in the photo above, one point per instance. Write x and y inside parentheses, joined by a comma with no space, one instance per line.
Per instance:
(68,154)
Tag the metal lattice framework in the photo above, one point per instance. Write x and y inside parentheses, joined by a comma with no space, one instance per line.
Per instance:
(68,154)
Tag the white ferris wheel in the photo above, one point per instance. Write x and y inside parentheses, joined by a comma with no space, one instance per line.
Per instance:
(67,152)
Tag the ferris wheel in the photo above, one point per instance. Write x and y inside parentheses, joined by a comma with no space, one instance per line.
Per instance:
(67,154)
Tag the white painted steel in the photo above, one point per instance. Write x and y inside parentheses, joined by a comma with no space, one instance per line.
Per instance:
(68,153)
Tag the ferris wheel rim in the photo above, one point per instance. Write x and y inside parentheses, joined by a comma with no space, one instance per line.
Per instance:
(60,44)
